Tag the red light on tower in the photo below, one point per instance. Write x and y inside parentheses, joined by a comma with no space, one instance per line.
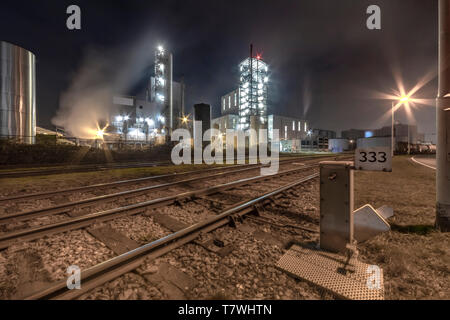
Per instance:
(258,56)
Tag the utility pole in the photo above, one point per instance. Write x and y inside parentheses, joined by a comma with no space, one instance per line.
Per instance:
(409,148)
(443,121)
(392,131)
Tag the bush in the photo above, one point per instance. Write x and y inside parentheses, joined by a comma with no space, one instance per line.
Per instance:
(12,153)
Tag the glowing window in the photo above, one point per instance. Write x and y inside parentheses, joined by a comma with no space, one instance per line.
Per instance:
(229,101)
(293,125)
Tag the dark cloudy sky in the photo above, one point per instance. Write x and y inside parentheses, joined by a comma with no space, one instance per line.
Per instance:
(325,64)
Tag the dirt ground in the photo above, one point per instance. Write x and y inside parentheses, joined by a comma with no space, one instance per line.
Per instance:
(415,257)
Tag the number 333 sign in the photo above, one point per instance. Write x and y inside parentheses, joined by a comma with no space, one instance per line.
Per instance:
(373,159)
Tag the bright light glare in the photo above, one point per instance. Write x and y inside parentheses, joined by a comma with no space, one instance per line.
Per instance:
(161,119)
(160,97)
(401,97)
(160,48)
(100,134)
(150,122)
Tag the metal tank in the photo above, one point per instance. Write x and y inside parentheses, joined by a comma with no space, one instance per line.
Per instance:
(17,93)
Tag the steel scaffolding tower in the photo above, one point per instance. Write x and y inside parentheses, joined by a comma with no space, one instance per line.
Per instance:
(253,86)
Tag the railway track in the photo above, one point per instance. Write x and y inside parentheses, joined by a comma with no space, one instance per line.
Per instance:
(48,194)
(18,173)
(29,234)
(76,168)
(67,207)
(115,267)
(121,264)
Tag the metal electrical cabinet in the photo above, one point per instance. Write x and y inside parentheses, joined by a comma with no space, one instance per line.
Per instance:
(336,205)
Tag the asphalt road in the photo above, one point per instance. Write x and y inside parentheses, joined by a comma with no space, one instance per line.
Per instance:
(426,161)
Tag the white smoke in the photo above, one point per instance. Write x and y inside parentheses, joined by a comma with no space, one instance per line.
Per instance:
(307,96)
(87,104)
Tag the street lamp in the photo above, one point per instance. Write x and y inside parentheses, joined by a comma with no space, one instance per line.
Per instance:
(402,100)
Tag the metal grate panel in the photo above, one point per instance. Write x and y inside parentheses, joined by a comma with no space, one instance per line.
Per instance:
(329,271)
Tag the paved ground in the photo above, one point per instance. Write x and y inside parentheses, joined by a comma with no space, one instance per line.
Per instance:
(426,161)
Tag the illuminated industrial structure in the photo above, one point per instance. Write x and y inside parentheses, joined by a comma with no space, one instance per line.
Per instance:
(161,86)
(247,108)
(156,111)
(253,84)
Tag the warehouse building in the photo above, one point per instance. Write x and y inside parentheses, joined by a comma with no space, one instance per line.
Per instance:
(403,134)
(230,103)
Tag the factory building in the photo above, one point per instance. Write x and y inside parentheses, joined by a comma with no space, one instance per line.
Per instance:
(292,131)
(17,93)
(230,103)
(318,140)
(339,145)
(226,122)
(353,134)
(289,128)
(246,108)
(155,112)
(403,134)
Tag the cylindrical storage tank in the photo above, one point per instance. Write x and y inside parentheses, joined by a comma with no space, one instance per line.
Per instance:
(17,93)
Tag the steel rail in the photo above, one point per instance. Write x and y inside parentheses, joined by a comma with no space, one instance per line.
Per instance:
(113,268)
(10,238)
(80,168)
(66,207)
(47,194)
(75,169)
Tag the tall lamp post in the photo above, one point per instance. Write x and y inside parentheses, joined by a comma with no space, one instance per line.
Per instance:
(443,121)
(401,100)
(392,130)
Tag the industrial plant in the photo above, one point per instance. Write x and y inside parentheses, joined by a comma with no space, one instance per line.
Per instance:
(152,115)
(149,151)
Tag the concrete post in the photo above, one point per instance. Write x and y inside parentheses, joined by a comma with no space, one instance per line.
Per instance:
(443,121)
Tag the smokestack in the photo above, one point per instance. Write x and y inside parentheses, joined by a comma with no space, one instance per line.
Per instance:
(443,121)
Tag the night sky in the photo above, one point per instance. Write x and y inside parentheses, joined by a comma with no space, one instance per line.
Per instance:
(326,66)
